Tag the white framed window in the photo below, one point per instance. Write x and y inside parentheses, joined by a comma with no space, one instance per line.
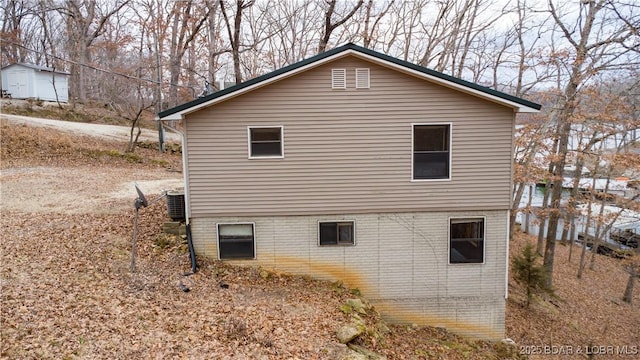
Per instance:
(431,152)
(236,241)
(265,141)
(466,240)
(362,78)
(338,78)
(336,233)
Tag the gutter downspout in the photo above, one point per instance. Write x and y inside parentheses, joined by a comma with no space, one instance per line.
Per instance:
(506,272)
(187,214)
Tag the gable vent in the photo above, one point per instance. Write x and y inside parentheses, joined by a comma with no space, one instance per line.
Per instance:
(362,78)
(338,78)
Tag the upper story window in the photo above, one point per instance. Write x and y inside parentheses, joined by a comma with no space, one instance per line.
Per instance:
(266,142)
(431,152)
(466,241)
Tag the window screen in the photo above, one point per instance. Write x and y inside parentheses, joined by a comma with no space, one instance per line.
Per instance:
(431,145)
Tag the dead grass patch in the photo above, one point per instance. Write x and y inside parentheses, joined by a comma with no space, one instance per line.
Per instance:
(32,146)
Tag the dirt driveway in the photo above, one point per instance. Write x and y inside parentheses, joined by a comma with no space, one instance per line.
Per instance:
(107,132)
(79,190)
(76,190)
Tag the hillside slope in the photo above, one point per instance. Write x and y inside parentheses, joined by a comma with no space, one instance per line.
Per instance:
(584,316)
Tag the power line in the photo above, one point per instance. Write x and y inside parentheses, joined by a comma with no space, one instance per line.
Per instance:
(91,66)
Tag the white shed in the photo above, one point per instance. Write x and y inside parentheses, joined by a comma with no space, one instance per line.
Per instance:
(25,81)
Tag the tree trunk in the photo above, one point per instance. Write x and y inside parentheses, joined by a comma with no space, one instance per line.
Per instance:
(514,208)
(585,240)
(235,44)
(563,119)
(543,218)
(329,26)
(573,203)
(628,292)
(527,218)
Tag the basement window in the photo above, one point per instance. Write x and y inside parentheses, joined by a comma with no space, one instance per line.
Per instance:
(466,241)
(338,78)
(336,233)
(266,142)
(236,241)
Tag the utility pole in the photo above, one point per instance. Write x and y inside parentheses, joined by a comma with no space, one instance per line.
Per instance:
(159,88)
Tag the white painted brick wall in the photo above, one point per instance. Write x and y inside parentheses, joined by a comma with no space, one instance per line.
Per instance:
(400,262)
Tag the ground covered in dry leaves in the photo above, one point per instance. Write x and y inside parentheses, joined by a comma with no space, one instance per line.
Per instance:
(585,314)
(68,292)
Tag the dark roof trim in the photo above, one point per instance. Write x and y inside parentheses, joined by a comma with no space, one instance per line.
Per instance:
(384,58)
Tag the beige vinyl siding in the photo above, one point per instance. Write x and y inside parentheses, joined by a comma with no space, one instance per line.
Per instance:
(400,262)
(346,150)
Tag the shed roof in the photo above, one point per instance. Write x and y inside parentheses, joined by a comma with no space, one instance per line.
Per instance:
(518,104)
(38,68)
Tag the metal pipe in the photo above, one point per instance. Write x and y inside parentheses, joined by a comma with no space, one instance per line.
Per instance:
(192,252)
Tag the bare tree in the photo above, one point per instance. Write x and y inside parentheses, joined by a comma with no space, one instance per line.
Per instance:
(294,28)
(235,33)
(591,53)
(370,32)
(330,25)
(214,46)
(49,39)
(186,21)
(13,15)
(85,22)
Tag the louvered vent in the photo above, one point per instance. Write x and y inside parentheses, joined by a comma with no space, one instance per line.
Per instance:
(362,78)
(338,78)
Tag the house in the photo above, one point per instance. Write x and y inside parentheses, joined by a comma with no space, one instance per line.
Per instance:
(24,81)
(356,166)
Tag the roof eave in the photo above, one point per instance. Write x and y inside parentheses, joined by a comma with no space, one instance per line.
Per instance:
(175,116)
(519,105)
(37,68)
(526,109)
(243,88)
(460,85)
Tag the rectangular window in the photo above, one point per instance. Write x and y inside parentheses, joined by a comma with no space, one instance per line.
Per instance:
(466,241)
(431,151)
(338,78)
(266,142)
(236,241)
(336,233)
